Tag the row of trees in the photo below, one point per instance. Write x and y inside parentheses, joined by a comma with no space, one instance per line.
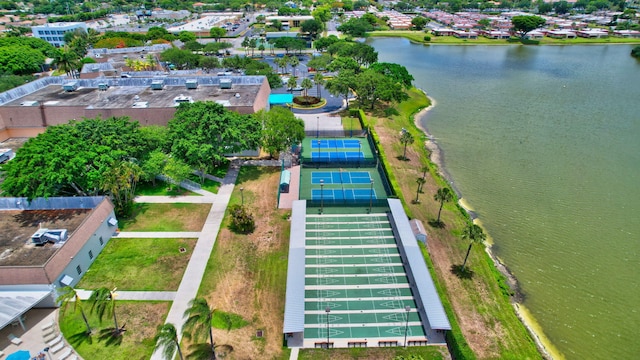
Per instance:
(109,157)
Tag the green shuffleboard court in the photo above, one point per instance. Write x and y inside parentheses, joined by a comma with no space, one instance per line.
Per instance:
(361,318)
(358,293)
(360,260)
(353,251)
(364,331)
(355,280)
(358,305)
(350,242)
(353,270)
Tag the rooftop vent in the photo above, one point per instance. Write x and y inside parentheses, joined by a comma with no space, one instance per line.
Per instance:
(237,95)
(70,86)
(140,105)
(225,83)
(95,68)
(182,99)
(191,84)
(43,236)
(157,84)
(29,103)
(103,86)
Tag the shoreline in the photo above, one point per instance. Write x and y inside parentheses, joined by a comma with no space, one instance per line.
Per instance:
(436,156)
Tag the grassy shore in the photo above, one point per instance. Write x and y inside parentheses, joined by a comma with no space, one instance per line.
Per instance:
(418,37)
(479,306)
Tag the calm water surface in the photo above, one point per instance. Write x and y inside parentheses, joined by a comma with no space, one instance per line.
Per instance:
(544,144)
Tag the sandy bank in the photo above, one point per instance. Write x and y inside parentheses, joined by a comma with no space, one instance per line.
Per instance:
(437,157)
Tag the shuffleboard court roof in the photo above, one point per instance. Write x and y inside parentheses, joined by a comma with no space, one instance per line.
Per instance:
(294,301)
(436,316)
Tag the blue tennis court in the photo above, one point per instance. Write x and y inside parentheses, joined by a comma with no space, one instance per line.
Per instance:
(338,177)
(340,194)
(337,156)
(335,143)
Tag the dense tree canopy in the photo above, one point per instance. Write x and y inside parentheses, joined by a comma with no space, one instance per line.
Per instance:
(312,27)
(356,27)
(281,130)
(20,60)
(201,133)
(371,87)
(522,24)
(397,72)
(72,159)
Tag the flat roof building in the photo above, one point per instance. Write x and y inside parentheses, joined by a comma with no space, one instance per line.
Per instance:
(53,33)
(27,110)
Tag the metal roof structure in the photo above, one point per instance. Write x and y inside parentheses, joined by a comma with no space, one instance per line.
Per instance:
(13,304)
(419,274)
(294,301)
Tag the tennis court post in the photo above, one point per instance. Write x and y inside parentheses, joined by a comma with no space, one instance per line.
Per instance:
(371,197)
(321,196)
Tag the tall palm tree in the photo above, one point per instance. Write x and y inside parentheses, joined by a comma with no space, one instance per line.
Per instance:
(474,234)
(66,60)
(320,81)
(443,195)
(294,63)
(198,323)
(420,181)
(306,84)
(68,294)
(103,302)
(406,138)
(167,337)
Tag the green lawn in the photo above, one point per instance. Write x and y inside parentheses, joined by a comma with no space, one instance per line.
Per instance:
(140,264)
(161,189)
(418,36)
(140,319)
(208,185)
(166,217)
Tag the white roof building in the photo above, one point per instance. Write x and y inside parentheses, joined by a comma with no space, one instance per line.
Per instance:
(54,33)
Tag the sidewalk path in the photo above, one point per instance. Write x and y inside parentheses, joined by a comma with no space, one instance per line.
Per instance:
(192,277)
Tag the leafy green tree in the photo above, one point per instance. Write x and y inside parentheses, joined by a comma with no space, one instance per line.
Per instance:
(419,22)
(186,36)
(372,87)
(523,24)
(103,303)
(635,52)
(216,47)
(177,171)
(322,13)
(8,82)
(341,85)
(198,323)
(192,45)
(396,72)
(201,134)
(363,54)
(475,235)
(71,159)
(344,63)
(281,130)
(290,43)
(119,182)
(323,43)
(261,48)
(320,62)
(20,60)
(167,338)
(209,63)
(154,166)
(67,295)
(182,59)
(157,32)
(356,27)
(312,27)
(442,195)
(406,139)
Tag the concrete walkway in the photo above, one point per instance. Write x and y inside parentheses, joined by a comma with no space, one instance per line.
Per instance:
(192,277)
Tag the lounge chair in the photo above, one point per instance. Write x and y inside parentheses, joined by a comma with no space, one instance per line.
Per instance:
(55,341)
(48,331)
(49,337)
(14,339)
(57,348)
(65,354)
(48,325)
(73,357)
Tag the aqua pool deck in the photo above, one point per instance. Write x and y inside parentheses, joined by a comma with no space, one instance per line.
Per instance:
(351,282)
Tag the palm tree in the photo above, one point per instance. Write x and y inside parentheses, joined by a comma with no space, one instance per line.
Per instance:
(292,83)
(319,80)
(443,195)
(424,171)
(66,60)
(306,85)
(420,181)
(198,323)
(406,138)
(167,337)
(294,63)
(474,234)
(103,302)
(68,294)
(261,48)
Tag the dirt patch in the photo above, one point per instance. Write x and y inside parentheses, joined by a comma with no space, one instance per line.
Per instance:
(13,143)
(244,284)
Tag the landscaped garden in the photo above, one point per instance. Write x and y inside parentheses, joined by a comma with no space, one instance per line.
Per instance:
(166,217)
(139,318)
(140,264)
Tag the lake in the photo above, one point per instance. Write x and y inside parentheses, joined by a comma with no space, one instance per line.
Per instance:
(543,143)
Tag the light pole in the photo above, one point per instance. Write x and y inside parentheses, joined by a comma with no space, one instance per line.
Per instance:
(317,126)
(351,126)
(321,196)
(327,310)
(406,327)
(242,195)
(371,196)
(359,151)
(319,152)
